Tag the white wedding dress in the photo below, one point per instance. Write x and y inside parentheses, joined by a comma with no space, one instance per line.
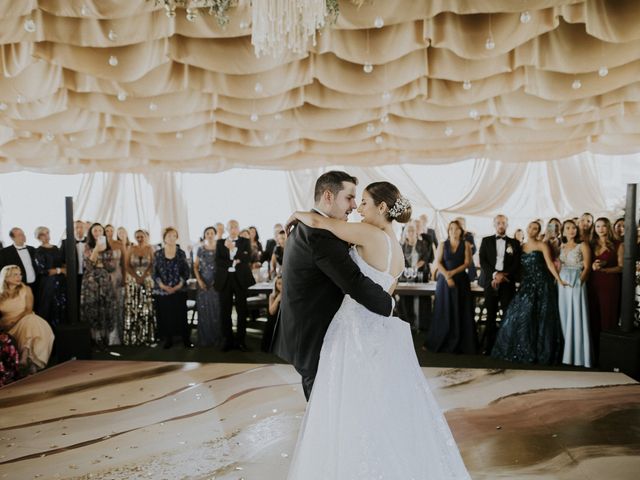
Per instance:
(371,414)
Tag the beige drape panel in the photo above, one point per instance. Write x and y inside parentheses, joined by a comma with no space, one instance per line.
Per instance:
(561,79)
(150,201)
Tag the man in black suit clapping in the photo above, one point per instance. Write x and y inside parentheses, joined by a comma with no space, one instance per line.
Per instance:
(233,278)
(500,264)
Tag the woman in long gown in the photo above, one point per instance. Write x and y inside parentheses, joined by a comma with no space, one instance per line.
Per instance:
(575,263)
(530,331)
(32,333)
(118,252)
(371,413)
(208,299)
(453,329)
(139,311)
(52,285)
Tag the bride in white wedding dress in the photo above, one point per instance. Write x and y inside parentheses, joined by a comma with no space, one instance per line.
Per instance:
(371,414)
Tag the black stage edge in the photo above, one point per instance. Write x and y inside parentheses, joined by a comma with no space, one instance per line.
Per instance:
(73,339)
(620,349)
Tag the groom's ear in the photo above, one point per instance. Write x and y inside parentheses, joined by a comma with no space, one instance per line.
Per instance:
(327,196)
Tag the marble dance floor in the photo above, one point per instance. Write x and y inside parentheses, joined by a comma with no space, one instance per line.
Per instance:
(129,420)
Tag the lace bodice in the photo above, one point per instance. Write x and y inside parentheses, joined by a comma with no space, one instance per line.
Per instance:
(572,258)
(384,279)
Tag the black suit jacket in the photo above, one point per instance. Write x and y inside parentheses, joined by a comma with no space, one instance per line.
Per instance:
(9,256)
(488,255)
(316,274)
(268,250)
(223,262)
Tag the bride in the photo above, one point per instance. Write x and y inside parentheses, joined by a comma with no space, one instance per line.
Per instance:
(371,414)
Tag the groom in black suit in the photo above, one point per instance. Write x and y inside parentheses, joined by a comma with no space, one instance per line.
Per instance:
(317,273)
(500,265)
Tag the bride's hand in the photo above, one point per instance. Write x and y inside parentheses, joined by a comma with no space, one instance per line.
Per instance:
(292,222)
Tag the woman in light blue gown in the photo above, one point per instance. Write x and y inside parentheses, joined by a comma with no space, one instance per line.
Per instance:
(575,261)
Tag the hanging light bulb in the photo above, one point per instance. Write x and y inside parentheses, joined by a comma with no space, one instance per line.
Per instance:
(386,96)
(379,139)
(490,44)
(192,14)
(165,119)
(258,88)
(367,67)
(122,96)
(466,84)
(113,60)
(72,138)
(113,36)
(559,119)
(371,127)
(254,117)
(153,107)
(84,11)
(474,114)
(49,137)
(278,116)
(179,135)
(384,119)
(525,17)
(170,10)
(448,131)
(267,137)
(20,99)
(603,71)
(244,24)
(576,84)
(3,106)
(29,25)
(378,22)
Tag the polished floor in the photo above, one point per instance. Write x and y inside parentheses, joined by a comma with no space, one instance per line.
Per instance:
(166,420)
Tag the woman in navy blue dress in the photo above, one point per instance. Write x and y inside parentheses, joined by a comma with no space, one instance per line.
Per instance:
(453,329)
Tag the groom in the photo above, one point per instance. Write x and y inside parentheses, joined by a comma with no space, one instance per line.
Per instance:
(316,274)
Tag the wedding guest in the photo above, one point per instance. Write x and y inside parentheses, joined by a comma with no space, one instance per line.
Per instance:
(552,236)
(33,335)
(208,299)
(499,264)
(98,307)
(530,331)
(575,264)
(256,247)
(139,310)
(470,239)
(271,244)
(123,237)
(618,230)
(453,329)
(118,252)
(52,285)
(9,359)
(244,233)
(605,281)
(427,234)
(170,274)
(278,253)
(80,242)
(232,281)
(24,256)
(274,309)
(416,253)
(586,227)
(518,235)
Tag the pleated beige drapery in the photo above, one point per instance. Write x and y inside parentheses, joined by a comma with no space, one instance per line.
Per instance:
(105,85)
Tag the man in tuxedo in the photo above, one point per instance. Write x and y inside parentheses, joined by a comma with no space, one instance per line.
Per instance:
(499,264)
(317,273)
(80,242)
(24,256)
(232,279)
(271,244)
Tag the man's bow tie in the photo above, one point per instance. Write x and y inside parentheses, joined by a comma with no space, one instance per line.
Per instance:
(500,237)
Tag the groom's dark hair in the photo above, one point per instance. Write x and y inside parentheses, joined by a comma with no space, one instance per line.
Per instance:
(332,181)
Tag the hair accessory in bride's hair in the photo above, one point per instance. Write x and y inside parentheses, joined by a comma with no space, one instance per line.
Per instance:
(399,207)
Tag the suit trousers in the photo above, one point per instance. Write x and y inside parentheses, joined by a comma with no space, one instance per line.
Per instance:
(494,299)
(231,290)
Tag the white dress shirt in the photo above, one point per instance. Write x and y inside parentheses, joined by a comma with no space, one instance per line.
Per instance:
(27,263)
(232,254)
(80,251)
(501,245)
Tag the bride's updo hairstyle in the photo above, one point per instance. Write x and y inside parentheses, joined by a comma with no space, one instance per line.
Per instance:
(398,207)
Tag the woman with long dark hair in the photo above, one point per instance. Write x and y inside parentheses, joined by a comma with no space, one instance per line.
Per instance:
(208,299)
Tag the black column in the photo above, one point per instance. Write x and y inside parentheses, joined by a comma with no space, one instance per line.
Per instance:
(629,263)
(71,257)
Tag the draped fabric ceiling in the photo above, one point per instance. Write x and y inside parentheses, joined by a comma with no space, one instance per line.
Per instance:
(105,85)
